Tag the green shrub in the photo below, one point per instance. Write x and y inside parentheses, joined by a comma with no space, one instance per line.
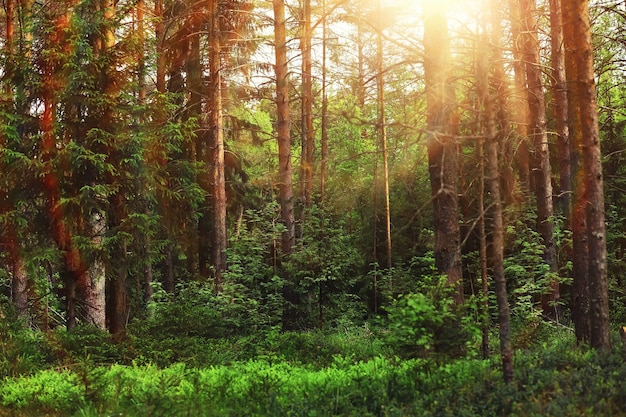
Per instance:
(22,350)
(428,321)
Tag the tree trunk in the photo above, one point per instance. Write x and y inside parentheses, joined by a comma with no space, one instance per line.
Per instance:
(382,130)
(540,155)
(93,288)
(580,247)
(308,134)
(493,171)
(74,270)
(582,54)
(559,91)
(520,98)
(285,185)
(324,116)
(159,34)
(442,150)
(216,152)
(19,277)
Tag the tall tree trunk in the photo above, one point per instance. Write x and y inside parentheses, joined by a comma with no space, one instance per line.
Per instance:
(520,97)
(216,152)
(581,48)
(159,34)
(74,270)
(19,277)
(308,134)
(382,131)
(580,245)
(324,116)
(442,149)
(285,186)
(497,229)
(559,91)
(540,155)
(143,238)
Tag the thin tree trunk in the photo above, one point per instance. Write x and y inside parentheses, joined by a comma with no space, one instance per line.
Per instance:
(497,241)
(324,116)
(308,134)
(482,236)
(285,186)
(382,130)
(559,91)
(19,277)
(216,153)
(540,161)
(520,98)
(159,34)
(442,150)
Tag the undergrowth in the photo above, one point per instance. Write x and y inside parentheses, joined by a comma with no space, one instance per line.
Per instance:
(283,376)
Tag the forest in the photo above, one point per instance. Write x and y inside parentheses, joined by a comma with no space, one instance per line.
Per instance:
(312,208)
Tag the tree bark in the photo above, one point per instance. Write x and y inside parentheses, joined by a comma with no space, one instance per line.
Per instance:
(559,91)
(580,245)
(382,131)
(285,185)
(493,171)
(520,98)
(285,182)
(593,197)
(324,116)
(216,153)
(159,34)
(540,155)
(308,134)
(442,150)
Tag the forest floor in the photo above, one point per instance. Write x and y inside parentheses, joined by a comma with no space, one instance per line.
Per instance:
(348,373)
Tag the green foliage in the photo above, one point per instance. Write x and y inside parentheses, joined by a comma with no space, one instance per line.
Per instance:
(323,271)
(22,350)
(554,378)
(428,321)
(528,275)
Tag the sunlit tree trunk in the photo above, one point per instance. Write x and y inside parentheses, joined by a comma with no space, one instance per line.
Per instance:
(159,33)
(492,136)
(559,91)
(94,287)
(442,149)
(580,245)
(73,270)
(308,134)
(285,185)
(540,155)
(382,131)
(324,116)
(143,238)
(581,49)
(520,104)
(216,151)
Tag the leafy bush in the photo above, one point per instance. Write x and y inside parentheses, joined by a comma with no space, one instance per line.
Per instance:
(428,321)
(22,350)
